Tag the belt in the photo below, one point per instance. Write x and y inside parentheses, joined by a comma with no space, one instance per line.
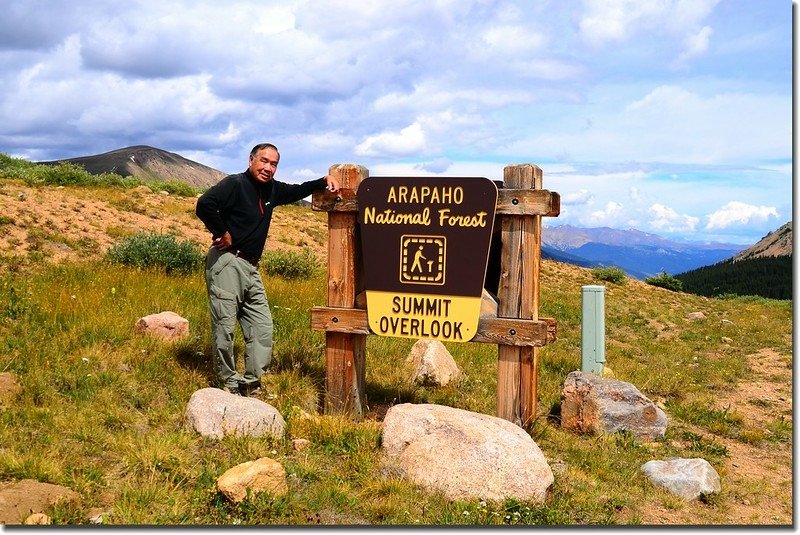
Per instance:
(246,257)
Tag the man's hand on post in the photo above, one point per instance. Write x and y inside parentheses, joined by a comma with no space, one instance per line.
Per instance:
(332,183)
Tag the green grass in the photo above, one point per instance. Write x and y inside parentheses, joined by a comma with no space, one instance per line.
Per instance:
(102,406)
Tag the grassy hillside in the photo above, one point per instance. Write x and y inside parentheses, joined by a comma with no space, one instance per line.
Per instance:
(102,407)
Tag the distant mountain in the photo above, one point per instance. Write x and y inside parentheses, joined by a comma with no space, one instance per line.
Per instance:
(776,243)
(148,163)
(639,254)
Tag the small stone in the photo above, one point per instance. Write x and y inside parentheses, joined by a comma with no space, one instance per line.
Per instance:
(687,478)
(38,519)
(261,475)
(300,443)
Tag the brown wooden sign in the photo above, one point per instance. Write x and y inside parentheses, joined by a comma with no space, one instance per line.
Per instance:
(425,244)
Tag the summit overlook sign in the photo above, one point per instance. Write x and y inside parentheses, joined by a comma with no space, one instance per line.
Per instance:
(425,245)
(418,248)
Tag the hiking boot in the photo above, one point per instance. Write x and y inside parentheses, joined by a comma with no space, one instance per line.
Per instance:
(253,390)
(235,390)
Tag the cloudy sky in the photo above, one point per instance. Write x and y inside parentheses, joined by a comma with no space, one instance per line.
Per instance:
(669,116)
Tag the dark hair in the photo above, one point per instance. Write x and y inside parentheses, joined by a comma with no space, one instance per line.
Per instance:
(262,146)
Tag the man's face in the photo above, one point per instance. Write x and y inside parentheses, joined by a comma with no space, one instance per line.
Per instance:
(263,164)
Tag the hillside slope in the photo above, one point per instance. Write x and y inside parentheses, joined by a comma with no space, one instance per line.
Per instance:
(57,224)
(764,269)
(148,163)
(776,243)
(52,224)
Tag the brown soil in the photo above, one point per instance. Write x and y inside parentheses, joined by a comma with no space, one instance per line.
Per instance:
(69,223)
(756,478)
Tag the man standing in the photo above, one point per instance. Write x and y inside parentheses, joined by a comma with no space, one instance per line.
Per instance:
(237,211)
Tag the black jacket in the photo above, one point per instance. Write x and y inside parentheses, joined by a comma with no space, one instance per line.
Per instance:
(242,206)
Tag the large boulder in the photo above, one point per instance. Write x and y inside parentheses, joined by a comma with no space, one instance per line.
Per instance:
(215,413)
(687,478)
(465,455)
(592,404)
(432,363)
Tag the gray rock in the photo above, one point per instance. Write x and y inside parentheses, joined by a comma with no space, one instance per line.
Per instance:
(687,478)
(167,325)
(693,316)
(463,454)
(591,404)
(432,363)
(215,413)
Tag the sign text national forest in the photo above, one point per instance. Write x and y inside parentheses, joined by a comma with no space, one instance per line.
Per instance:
(425,243)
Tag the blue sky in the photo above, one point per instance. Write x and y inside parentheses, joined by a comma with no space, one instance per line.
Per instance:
(670,116)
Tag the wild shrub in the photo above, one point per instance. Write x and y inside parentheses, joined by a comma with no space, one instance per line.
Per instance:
(153,250)
(15,167)
(174,187)
(612,274)
(64,174)
(291,264)
(665,280)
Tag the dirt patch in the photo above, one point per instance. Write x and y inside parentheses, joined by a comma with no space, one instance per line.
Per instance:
(21,499)
(760,473)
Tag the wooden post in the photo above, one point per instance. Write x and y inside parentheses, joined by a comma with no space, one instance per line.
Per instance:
(518,297)
(345,352)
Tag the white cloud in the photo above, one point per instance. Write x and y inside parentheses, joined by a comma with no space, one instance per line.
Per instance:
(410,140)
(669,123)
(512,39)
(579,197)
(304,174)
(606,21)
(738,213)
(668,220)
(695,44)
(611,215)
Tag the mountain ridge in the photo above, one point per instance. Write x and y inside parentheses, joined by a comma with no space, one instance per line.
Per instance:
(640,254)
(148,164)
(776,243)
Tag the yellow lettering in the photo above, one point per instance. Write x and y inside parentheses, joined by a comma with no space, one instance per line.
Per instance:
(477,220)
(425,194)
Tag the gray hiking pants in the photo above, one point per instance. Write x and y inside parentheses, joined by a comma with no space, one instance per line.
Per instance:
(236,293)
